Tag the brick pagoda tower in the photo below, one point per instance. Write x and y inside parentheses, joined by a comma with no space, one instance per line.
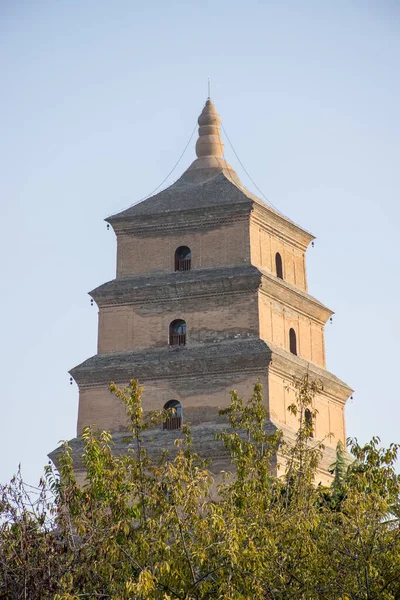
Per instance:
(210,295)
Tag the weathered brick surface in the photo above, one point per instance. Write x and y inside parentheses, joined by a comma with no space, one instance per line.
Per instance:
(276,321)
(201,403)
(201,378)
(238,316)
(147,326)
(155,441)
(155,253)
(264,247)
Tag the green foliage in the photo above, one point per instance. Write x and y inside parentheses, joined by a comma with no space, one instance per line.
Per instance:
(164,530)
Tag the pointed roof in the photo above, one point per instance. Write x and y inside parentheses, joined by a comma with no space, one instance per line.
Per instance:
(208,182)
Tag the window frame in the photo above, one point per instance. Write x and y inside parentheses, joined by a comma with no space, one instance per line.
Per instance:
(174,422)
(176,338)
(183,263)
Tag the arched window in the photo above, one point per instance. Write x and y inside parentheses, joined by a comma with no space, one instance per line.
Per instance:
(183,258)
(292,341)
(309,421)
(177,333)
(278,265)
(175,420)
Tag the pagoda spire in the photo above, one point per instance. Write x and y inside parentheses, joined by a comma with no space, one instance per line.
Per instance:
(209,142)
(210,159)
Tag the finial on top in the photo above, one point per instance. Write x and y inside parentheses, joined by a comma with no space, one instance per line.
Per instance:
(210,159)
(209,142)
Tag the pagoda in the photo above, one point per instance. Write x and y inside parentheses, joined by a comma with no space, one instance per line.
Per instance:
(210,295)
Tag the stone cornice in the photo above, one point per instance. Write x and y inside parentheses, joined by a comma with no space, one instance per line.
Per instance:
(208,359)
(294,298)
(284,363)
(235,358)
(123,377)
(156,441)
(279,226)
(207,283)
(167,287)
(190,220)
(203,204)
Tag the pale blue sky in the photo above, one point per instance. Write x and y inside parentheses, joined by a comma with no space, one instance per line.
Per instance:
(98,100)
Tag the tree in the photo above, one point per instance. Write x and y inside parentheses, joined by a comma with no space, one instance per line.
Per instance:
(153,530)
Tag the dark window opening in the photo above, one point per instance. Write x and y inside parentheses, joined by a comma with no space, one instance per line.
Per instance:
(175,420)
(278,265)
(183,259)
(292,341)
(309,421)
(177,333)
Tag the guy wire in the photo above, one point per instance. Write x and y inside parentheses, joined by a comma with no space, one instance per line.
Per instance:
(247,173)
(165,179)
(173,168)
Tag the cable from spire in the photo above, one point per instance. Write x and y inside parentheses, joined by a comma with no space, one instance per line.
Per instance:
(247,173)
(165,179)
(173,168)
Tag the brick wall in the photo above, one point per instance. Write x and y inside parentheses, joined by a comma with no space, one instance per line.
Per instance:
(208,319)
(329,423)
(220,246)
(201,399)
(276,321)
(264,247)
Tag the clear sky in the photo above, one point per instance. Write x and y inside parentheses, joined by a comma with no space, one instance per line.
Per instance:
(98,101)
